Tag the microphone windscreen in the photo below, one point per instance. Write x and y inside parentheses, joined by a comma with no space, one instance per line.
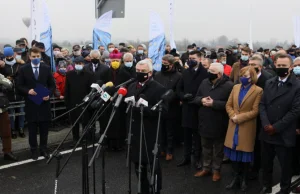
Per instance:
(122,91)
(109,84)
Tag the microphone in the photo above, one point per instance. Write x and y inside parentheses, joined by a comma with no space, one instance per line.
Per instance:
(104,97)
(125,83)
(121,93)
(142,102)
(164,97)
(130,101)
(95,88)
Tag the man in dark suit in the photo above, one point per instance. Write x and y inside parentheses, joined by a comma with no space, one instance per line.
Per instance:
(279,112)
(187,89)
(37,116)
(256,61)
(153,91)
(100,71)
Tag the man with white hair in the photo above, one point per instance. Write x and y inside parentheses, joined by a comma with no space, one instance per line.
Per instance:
(100,71)
(127,69)
(141,53)
(145,87)
(212,96)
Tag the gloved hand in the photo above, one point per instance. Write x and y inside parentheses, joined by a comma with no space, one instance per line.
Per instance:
(188,97)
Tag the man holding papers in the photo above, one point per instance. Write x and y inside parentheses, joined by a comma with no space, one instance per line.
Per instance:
(36,83)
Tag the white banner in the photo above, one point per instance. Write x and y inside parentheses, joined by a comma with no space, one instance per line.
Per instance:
(101,31)
(156,40)
(171,18)
(34,24)
(297,30)
(250,29)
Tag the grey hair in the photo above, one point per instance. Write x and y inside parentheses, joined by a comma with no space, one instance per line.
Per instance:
(169,58)
(221,54)
(297,59)
(95,52)
(208,60)
(127,55)
(146,62)
(218,66)
(257,57)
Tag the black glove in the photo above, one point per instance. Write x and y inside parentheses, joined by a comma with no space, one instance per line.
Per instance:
(188,97)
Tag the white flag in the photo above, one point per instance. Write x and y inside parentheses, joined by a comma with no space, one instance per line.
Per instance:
(102,28)
(35,17)
(157,40)
(297,30)
(172,41)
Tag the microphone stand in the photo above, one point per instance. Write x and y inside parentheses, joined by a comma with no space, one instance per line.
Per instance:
(99,147)
(140,155)
(128,161)
(77,106)
(295,184)
(58,157)
(155,150)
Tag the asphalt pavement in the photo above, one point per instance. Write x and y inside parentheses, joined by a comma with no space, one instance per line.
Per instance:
(36,177)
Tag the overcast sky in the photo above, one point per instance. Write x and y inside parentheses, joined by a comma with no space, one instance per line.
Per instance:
(194,19)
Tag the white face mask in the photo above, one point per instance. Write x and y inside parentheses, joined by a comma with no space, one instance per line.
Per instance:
(18,57)
(111,50)
(190,50)
(10,62)
(78,67)
(223,62)
(140,52)
(128,64)
(77,53)
(56,52)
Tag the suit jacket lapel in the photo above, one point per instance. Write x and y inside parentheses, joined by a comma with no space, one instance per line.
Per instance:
(249,93)
(281,91)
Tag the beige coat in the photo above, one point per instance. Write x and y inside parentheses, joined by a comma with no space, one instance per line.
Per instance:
(246,116)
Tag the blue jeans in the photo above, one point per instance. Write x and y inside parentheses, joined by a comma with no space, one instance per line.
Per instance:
(20,117)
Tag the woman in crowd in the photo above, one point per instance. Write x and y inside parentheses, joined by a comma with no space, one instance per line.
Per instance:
(242,108)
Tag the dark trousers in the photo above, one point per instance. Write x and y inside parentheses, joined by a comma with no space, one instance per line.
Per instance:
(5,132)
(284,155)
(296,157)
(43,129)
(83,120)
(167,135)
(213,154)
(190,136)
(257,155)
(145,185)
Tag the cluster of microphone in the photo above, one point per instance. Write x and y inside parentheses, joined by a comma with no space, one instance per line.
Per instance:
(105,93)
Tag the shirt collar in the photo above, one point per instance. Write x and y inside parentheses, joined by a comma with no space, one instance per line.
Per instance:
(259,74)
(34,66)
(284,80)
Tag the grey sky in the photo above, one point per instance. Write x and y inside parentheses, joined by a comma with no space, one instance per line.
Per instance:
(194,19)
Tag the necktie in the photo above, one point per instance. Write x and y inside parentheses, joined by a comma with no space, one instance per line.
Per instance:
(36,73)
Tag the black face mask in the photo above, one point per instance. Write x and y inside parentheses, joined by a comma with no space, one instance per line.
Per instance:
(165,68)
(192,63)
(95,61)
(256,69)
(141,77)
(212,76)
(282,72)
(9,59)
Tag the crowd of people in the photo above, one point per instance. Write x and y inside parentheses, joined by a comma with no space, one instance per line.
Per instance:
(229,104)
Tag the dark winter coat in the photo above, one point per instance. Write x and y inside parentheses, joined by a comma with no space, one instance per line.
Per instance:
(27,81)
(102,72)
(153,92)
(12,71)
(189,84)
(280,107)
(170,80)
(261,81)
(213,121)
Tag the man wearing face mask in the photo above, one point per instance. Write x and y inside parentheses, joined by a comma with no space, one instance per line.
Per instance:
(169,78)
(153,91)
(140,53)
(100,70)
(231,55)
(111,47)
(178,63)
(212,97)
(76,52)
(21,44)
(222,59)
(187,89)
(235,73)
(279,113)
(78,85)
(37,116)
(127,69)
(44,58)
(10,71)
(185,56)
